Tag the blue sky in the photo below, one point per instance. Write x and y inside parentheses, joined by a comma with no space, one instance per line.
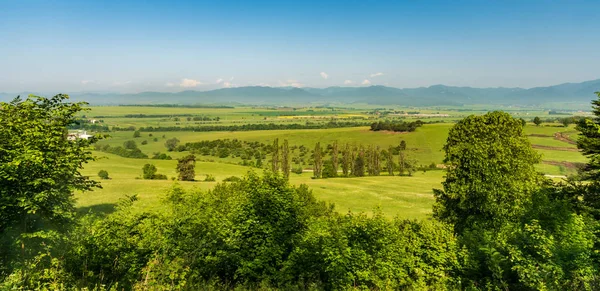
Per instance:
(133,46)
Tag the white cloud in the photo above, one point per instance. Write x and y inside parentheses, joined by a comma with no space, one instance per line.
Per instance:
(219,81)
(230,79)
(366,82)
(170,84)
(228,85)
(324,75)
(376,75)
(188,83)
(347,82)
(85,82)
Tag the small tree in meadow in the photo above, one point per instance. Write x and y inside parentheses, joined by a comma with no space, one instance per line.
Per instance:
(149,170)
(186,168)
(537,121)
(171,144)
(103,174)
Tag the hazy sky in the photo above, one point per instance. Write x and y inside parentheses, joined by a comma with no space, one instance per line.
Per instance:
(132,46)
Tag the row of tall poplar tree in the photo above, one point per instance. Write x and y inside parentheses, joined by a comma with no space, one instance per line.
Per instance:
(356,161)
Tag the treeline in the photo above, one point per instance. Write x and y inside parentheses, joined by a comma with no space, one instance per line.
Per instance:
(397,126)
(128,150)
(247,127)
(178,105)
(353,160)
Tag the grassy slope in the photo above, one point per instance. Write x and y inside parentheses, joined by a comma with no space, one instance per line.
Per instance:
(408,197)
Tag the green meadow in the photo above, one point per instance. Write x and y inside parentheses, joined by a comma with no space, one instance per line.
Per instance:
(407,197)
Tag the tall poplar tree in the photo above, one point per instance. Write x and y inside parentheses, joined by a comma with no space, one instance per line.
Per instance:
(285,159)
(334,157)
(389,158)
(318,161)
(275,156)
(346,157)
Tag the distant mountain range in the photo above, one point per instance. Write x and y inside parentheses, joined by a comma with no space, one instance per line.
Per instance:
(380,95)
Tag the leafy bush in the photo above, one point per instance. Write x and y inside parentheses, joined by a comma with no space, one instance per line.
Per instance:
(103,174)
(209,178)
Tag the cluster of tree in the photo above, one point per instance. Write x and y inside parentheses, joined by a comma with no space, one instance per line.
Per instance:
(397,126)
(224,148)
(565,121)
(358,161)
(498,224)
(161,156)
(84,124)
(128,150)
(248,127)
(178,105)
(149,173)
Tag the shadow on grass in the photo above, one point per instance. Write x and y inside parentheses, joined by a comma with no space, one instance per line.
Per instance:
(98,209)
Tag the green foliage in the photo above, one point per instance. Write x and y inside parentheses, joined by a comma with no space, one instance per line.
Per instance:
(490,172)
(144,142)
(328,170)
(589,144)
(548,248)
(275,156)
(137,134)
(130,145)
(317,161)
(186,168)
(148,171)
(285,159)
(39,172)
(537,121)
(359,165)
(103,174)
(171,144)
(209,178)
(374,253)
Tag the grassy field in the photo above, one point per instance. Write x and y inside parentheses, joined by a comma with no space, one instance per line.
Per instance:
(408,197)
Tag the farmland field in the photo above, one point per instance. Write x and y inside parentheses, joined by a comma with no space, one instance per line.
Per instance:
(408,197)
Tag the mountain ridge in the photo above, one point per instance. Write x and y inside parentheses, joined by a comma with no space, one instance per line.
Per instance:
(438,94)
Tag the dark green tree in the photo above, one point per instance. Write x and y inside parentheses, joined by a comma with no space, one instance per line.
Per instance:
(389,159)
(523,122)
(39,172)
(137,134)
(589,144)
(334,157)
(275,156)
(171,144)
(402,145)
(103,174)
(285,159)
(359,165)
(490,174)
(130,145)
(186,168)
(148,171)
(346,160)
(537,121)
(317,161)
(259,163)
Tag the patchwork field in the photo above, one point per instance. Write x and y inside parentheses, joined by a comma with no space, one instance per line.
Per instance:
(408,197)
